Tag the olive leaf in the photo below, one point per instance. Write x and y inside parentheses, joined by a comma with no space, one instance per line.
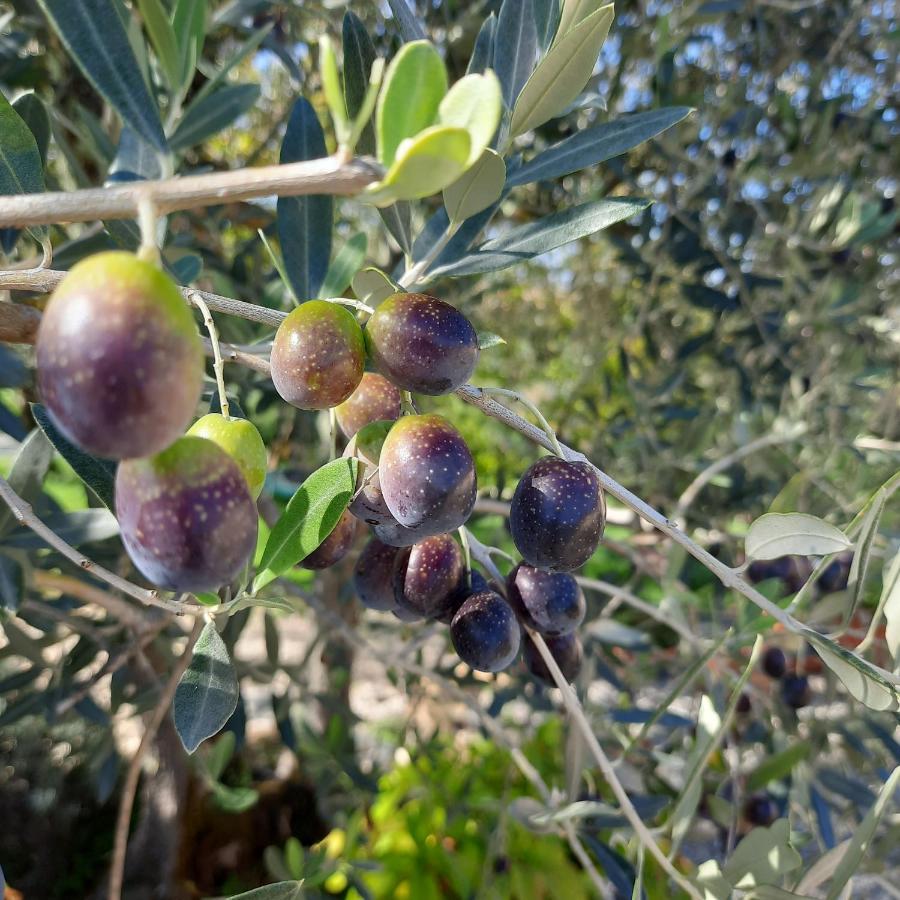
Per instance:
(782,534)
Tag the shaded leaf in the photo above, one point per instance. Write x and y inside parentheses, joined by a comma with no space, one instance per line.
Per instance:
(21,165)
(515,47)
(782,534)
(546,21)
(860,564)
(773,768)
(477,188)
(345,265)
(359,54)
(135,159)
(12,583)
(27,474)
(483,52)
(82,526)
(209,115)
(34,114)
(410,27)
(372,286)
(398,220)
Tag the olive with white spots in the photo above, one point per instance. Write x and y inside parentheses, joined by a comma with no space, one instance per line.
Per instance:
(472,582)
(318,355)
(241,441)
(119,358)
(549,602)
(393,533)
(428,575)
(557,514)
(422,344)
(373,577)
(485,632)
(566,650)
(186,516)
(368,504)
(334,548)
(375,399)
(427,474)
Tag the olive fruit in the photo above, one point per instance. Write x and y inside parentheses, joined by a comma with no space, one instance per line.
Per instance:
(774,662)
(241,441)
(373,577)
(743,705)
(334,548)
(549,602)
(768,569)
(473,583)
(427,474)
(318,355)
(795,691)
(422,344)
(557,514)
(368,504)
(186,515)
(375,399)
(396,535)
(760,809)
(566,649)
(485,632)
(836,574)
(119,359)
(427,576)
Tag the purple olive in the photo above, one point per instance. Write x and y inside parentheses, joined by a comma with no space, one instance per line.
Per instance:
(334,548)
(375,399)
(475,583)
(485,632)
(373,577)
(427,576)
(549,602)
(565,649)
(368,504)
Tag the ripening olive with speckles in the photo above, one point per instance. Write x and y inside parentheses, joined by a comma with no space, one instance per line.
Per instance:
(119,359)
(334,548)
(368,504)
(557,514)
(485,632)
(475,583)
(318,355)
(375,399)
(422,344)
(549,602)
(373,577)
(241,441)
(427,474)
(427,576)
(186,516)
(566,650)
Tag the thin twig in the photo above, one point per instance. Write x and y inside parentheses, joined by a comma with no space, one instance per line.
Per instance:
(127,614)
(218,365)
(126,804)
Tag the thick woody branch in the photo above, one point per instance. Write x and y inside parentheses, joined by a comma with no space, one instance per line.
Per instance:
(330,175)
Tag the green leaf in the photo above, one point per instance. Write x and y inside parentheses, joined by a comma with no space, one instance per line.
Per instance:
(98,474)
(890,603)
(473,103)
(573,12)
(234,799)
(562,74)
(410,27)
(782,534)
(594,145)
(162,36)
(330,77)
(515,47)
(864,540)
(372,286)
(219,755)
(398,220)
(96,39)
(344,266)
(282,890)
(762,857)
(424,165)
(487,339)
(34,114)
(207,694)
(189,24)
(546,21)
(235,60)
(27,474)
(359,54)
(477,188)
(12,584)
(305,223)
(414,85)
(773,768)
(483,52)
(21,165)
(209,115)
(308,519)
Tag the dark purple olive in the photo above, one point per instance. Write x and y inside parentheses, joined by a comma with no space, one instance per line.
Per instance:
(368,504)
(427,474)
(186,516)
(119,359)
(557,514)
(318,355)
(769,569)
(774,662)
(744,705)
(550,602)
(427,576)
(836,574)
(334,548)
(422,344)
(397,536)
(375,399)
(485,632)
(373,577)
(761,809)
(475,583)
(565,649)
(795,691)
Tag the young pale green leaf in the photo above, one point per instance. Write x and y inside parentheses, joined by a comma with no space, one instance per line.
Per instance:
(163,38)
(98,42)
(331,87)
(473,103)
(359,54)
(424,165)
(414,85)
(859,567)
(762,857)
(209,115)
(575,11)
(515,47)
(562,74)
(597,144)
(98,474)
(477,188)
(344,266)
(207,694)
(410,27)
(487,339)
(308,519)
(372,286)
(281,890)
(305,223)
(890,603)
(27,473)
(783,534)
(21,164)
(483,52)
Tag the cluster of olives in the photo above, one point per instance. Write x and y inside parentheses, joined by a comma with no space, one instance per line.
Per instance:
(795,689)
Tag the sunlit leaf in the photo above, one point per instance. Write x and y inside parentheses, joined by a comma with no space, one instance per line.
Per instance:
(782,534)
(477,188)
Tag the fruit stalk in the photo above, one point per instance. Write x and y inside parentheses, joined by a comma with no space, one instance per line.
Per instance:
(218,364)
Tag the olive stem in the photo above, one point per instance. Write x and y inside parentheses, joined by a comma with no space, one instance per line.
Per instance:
(218,363)
(147,220)
(356,304)
(413,276)
(467,553)
(407,404)
(515,395)
(332,433)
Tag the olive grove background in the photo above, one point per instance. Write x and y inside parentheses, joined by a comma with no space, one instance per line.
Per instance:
(730,351)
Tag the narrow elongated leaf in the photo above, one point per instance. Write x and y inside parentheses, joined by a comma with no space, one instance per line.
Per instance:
(594,145)
(515,47)
(397,219)
(96,38)
(573,12)
(27,474)
(189,24)
(483,52)
(21,165)
(305,223)
(34,114)
(782,534)
(823,817)
(208,116)
(207,694)
(345,265)
(477,188)
(233,61)
(562,74)
(162,35)
(890,602)
(98,474)
(414,85)
(859,567)
(359,54)
(281,890)
(12,584)
(308,519)
(473,103)
(773,768)
(135,159)
(410,27)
